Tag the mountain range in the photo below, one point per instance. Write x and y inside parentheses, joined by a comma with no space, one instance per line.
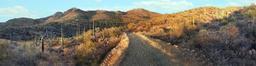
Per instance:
(25,28)
(208,36)
(76,20)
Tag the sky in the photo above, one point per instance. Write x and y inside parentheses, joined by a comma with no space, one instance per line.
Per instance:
(41,8)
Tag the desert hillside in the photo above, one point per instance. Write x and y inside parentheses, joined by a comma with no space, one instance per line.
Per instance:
(204,36)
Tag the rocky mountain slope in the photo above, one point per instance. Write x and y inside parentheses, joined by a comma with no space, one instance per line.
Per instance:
(208,35)
(137,15)
(73,20)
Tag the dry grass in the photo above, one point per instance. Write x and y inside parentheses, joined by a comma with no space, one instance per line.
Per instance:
(82,50)
(92,50)
(15,53)
(222,37)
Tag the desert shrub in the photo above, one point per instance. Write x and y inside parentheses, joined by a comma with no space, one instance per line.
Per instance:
(224,45)
(3,50)
(230,30)
(92,49)
(85,49)
(131,26)
(84,52)
(17,53)
(254,33)
(207,39)
(176,30)
(225,35)
(250,11)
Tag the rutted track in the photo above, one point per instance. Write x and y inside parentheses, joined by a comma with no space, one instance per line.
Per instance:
(141,54)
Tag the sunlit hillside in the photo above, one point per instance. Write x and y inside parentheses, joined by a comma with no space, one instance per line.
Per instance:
(203,36)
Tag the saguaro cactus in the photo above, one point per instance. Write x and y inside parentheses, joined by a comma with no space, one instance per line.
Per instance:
(61,39)
(42,42)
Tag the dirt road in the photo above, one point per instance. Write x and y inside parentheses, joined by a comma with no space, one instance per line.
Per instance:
(141,54)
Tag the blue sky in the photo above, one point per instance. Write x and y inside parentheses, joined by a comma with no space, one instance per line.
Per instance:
(41,8)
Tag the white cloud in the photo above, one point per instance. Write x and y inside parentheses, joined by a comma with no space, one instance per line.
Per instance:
(15,11)
(176,5)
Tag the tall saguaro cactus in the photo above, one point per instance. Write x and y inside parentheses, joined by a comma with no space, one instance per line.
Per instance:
(42,39)
(193,22)
(42,42)
(61,39)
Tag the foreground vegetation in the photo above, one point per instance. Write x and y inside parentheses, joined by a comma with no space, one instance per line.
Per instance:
(80,50)
(214,36)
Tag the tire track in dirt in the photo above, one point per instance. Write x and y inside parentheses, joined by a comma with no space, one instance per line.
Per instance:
(141,54)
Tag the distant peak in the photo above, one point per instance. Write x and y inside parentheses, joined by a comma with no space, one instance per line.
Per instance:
(101,11)
(58,13)
(74,10)
(139,9)
(22,19)
(208,7)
